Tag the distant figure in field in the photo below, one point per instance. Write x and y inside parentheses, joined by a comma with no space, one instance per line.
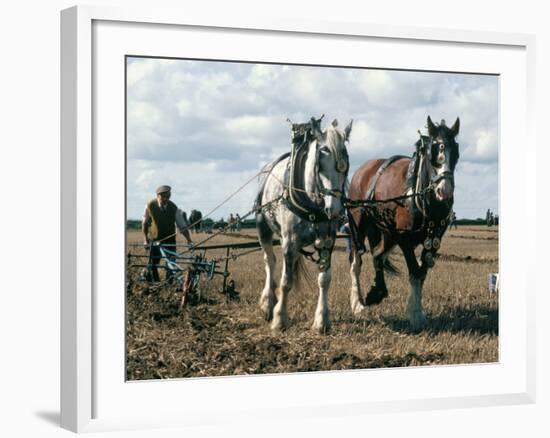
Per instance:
(489,218)
(238,222)
(231,222)
(453,221)
(195,219)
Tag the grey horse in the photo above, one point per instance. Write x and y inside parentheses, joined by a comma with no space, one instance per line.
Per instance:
(300,200)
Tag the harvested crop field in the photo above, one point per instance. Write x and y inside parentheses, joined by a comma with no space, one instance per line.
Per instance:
(213,336)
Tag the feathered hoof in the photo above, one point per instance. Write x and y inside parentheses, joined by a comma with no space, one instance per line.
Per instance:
(280,320)
(266,306)
(357,309)
(417,320)
(279,323)
(375,296)
(321,327)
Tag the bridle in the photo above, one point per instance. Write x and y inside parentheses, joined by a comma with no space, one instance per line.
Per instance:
(447,174)
(341,166)
(298,199)
(435,177)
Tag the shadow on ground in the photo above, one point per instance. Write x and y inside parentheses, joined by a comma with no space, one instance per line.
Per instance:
(479,320)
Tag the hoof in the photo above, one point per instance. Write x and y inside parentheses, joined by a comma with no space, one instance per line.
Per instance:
(357,309)
(321,329)
(375,296)
(321,325)
(279,324)
(266,306)
(418,320)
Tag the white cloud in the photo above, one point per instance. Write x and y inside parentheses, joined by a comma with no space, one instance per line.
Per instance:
(262,75)
(378,87)
(196,121)
(251,130)
(484,147)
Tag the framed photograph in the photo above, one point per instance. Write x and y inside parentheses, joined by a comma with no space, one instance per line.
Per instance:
(207,165)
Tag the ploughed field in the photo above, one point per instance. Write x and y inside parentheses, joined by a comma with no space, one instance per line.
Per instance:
(213,336)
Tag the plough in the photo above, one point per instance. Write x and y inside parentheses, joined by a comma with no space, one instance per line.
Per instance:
(185,264)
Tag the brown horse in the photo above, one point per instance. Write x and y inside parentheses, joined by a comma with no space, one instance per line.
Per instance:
(424,186)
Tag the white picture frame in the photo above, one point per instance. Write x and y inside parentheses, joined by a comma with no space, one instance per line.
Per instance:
(91,367)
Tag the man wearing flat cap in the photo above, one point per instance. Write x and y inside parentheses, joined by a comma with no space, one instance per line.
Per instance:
(160,219)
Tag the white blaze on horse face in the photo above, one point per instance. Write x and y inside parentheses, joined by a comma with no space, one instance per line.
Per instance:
(331,179)
(332,167)
(444,189)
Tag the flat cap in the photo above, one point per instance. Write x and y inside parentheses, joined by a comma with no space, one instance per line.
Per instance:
(163,189)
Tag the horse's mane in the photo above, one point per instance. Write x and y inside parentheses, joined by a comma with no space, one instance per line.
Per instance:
(334,135)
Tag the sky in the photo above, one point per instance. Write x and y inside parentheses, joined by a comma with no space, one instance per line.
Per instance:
(207,127)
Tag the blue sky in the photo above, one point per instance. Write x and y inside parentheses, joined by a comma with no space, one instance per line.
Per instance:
(206,127)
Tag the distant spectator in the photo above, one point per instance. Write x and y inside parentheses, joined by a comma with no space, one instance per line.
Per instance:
(489,217)
(238,222)
(453,221)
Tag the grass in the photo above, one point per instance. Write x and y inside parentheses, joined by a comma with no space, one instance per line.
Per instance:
(213,337)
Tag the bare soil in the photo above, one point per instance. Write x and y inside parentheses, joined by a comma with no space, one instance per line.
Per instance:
(213,336)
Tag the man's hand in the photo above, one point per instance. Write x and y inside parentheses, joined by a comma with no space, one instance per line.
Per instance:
(146,243)
(187,236)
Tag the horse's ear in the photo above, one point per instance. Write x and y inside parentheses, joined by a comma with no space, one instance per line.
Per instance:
(316,127)
(432,129)
(456,127)
(347,131)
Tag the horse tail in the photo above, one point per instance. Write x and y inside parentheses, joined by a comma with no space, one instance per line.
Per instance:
(300,272)
(389,267)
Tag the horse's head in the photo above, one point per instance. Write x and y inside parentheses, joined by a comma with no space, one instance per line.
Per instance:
(443,153)
(332,164)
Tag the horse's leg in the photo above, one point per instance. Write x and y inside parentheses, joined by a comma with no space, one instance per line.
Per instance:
(356,298)
(378,290)
(321,323)
(267,297)
(280,314)
(379,247)
(417,274)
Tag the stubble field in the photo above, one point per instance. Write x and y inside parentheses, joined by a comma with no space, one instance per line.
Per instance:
(213,336)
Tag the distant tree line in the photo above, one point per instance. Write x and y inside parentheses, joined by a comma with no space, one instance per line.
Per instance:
(478,221)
